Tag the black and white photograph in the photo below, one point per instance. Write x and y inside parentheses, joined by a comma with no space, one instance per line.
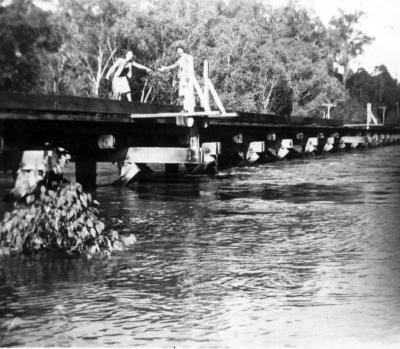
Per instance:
(200,174)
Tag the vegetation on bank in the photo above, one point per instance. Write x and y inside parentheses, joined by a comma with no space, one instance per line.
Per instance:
(280,60)
(62,219)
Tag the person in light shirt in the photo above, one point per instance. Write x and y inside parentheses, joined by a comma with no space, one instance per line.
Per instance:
(185,75)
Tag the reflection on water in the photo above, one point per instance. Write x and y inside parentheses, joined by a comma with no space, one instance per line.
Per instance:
(300,253)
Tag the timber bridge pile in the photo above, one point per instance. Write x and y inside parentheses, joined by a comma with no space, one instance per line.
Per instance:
(135,135)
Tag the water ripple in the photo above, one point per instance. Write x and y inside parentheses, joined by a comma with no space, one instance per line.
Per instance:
(258,256)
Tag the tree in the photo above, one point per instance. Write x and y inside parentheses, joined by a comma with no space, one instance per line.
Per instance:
(26,36)
(262,58)
(346,41)
(378,88)
(89,41)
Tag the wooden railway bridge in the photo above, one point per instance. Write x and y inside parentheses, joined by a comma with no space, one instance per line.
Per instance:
(135,135)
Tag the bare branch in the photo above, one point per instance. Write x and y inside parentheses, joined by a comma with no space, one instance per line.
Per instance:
(148,94)
(143,89)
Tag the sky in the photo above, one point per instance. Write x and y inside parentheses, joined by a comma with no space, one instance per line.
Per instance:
(381,21)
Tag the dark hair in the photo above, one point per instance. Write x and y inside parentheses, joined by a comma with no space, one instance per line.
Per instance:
(180,44)
(124,51)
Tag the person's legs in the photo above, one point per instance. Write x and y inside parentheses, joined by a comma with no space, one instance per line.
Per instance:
(186,93)
(129,97)
(188,100)
(181,101)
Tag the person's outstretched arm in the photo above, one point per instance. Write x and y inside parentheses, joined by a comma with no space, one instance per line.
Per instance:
(169,67)
(139,66)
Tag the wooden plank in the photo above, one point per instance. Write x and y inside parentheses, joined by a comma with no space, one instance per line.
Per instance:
(162,155)
(286,120)
(215,114)
(200,94)
(238,123)
(64,117)
(363,126)
(172,115)
(118,118)
(225,115)
(215,95)
(14,101)
(206,71)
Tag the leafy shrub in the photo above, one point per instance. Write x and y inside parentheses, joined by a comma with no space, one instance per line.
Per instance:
(62,219)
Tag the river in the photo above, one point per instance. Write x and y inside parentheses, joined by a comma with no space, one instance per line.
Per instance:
(300,253)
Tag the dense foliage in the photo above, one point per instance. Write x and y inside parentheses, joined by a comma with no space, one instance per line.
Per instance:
(380,89)
(62,220)
(280,60)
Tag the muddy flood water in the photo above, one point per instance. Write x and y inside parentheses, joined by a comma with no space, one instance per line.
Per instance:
(301,253)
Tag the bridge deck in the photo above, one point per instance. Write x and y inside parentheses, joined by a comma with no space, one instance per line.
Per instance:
(67,108)
(96,130)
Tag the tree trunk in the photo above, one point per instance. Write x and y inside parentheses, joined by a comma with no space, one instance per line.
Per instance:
(96,88)
(99,74)
(346,71)
(268,99)
(143,91)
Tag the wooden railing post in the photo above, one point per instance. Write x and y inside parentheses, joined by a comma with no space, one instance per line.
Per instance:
(206,88)
(383,114)
(371,119)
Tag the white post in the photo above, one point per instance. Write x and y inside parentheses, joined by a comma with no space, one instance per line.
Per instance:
(329,105)
(216,97)
(370,116)
(206,88)
(383,114)
(200,93)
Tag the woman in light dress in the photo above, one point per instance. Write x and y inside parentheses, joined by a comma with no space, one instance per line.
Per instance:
(122,71)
